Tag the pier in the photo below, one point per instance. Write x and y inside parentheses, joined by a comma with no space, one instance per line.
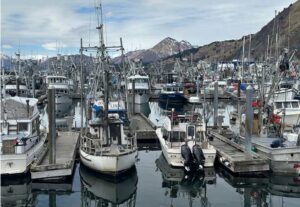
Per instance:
(143,128)
(235,158)
(66,149)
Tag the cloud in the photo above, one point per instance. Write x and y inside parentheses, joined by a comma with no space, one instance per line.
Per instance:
(53,46)
(141,24)
(7,46)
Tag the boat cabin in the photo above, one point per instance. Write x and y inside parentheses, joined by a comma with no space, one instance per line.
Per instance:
(172,88)
(183,131)
(290,104)
(141,84)
(19,125)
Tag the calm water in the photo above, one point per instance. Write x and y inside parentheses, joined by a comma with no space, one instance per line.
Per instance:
(153,183)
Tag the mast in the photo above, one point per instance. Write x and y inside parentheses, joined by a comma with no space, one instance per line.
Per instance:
(81,87)
(243,57)
(249,52)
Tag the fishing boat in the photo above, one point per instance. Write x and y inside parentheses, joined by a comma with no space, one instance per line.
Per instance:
(106,148)
(21,138)
(289,110)
(15,86)
(172,92)
(141,88)
(63,100)
(184,143)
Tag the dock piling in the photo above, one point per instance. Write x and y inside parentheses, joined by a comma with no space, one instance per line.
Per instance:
(216,86)
(33,86)
(249,118)
(133,97)
(52,126)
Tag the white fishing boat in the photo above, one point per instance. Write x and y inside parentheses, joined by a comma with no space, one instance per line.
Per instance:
(62,93)
(183,142)
(288,110)
(106,148)
(141,88)
(21,138)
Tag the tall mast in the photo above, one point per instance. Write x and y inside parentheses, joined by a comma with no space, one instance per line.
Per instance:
(243,57)
(100,30)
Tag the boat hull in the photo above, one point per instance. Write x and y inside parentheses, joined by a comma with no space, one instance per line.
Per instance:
(291,118)
(172,97)
(140,98)
(63,104)
(112,165)
(20,163)
(283,160)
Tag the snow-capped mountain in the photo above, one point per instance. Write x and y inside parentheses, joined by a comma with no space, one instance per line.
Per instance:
(163,49)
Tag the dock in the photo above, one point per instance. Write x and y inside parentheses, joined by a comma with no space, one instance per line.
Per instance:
(235,158)
(143,128)
(66,149)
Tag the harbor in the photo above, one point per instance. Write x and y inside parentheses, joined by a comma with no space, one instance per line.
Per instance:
(97,123)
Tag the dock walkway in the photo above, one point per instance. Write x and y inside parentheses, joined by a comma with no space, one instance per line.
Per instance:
(142,127)
(234,157)
(66,149)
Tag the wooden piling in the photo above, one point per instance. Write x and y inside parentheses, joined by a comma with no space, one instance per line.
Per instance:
(52,125)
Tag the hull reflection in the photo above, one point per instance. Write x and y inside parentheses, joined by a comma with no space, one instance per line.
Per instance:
(100,190)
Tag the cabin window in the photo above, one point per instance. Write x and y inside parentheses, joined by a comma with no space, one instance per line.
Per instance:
(287,105)
(169,89)
(177,136)
(191,131)
(278,105)
(295,105)
(180,89)
(22,127)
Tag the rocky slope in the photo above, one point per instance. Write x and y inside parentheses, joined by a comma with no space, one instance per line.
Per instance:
(232,49)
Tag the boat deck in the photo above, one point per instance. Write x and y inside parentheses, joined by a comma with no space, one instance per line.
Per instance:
(66,149)
(235,158)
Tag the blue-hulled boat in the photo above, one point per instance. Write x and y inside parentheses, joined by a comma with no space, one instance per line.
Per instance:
(172,93)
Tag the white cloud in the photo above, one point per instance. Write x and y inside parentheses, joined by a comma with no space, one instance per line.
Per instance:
(7,46)
(54,46)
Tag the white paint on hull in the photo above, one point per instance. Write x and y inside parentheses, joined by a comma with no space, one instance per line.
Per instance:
(139,99)
(109,164)
(19,163)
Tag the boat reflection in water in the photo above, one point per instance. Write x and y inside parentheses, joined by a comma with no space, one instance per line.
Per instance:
(16,192)
(264,190)
(178,184)
(101,190)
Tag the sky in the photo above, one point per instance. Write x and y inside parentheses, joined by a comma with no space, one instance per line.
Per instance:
(48,27)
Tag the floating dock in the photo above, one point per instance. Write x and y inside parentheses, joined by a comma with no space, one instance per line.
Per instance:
(234,157)
(66,149)
(143,128)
